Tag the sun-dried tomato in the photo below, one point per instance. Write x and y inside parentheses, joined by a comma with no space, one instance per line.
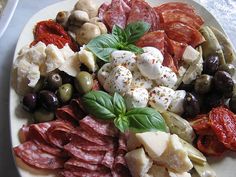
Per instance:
(223,123)
(210,145)
(201,125)
(51,27)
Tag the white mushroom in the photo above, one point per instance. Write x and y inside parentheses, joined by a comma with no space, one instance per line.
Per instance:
(88,6)
(78,18)
(102,26)
(87,32)
(62,17)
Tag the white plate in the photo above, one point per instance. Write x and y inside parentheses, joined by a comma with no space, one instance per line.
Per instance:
(7,13)
(224,166)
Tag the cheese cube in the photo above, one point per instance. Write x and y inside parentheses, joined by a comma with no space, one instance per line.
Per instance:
(184,174)
(176,105)
(71,66)
(190,54)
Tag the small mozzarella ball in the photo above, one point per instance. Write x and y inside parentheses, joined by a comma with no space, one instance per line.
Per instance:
(161,97)
(149,66)
(154,52)
(103,73)
(140,81)
(167,78)
(123,58)
(119,80)
(136,98)
(177,103)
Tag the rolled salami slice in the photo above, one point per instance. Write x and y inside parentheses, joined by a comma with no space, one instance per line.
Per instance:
(175,5)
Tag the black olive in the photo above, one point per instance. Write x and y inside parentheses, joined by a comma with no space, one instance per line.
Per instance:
(66,79)
(223,82)
(203,84)
(229,68)
(53,81)
(186,87)
(30,102)
(213,99)
(232,104)
(191,106)
(210,65)
(48,100)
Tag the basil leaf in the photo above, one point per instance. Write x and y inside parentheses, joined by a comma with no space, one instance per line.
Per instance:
(134,49)
(103,45)
(99,104)
(119,104)
(122,123)
(145,119)
(119,33)
(136,30)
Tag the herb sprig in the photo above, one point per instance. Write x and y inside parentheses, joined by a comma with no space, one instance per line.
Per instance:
(103,106)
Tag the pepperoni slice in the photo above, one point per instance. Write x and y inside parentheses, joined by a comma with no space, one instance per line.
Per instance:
(178,49)
(182,33)
(223,123)
(201,125)
(169,62)
(154,39)
(210,145)
(31,154)
(177,15)
(142,11)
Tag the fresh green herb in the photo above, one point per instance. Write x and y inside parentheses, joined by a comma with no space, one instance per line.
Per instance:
(99,104)
(103,106)
(120,39)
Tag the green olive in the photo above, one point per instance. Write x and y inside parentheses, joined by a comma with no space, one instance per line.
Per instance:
(42,115)
(203,84)
(83,82)
(40,85)
(65,92)
(229,68)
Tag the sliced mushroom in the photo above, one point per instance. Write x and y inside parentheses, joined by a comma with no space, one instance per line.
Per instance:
(78,18)
(87,6)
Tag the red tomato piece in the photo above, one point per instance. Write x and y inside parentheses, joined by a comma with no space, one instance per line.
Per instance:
(223,123)
(201,125)
(209,145)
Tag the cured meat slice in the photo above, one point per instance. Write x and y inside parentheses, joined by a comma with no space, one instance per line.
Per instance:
(178,48)
(24,133)
(122,147)
(93,157)
(115,15)
(67,113)
(177,15)
(168,46)
(67,173)
(78,107)
(30,153)
(183,33)
(93,137)
(175,5)
(108,159)
(169,62)
(102,10)
(153,39)
(38,131)
(102,127)
(120,167)
(142,11)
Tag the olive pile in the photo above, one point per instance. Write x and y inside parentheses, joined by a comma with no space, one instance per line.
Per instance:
(211,89)
(55,90)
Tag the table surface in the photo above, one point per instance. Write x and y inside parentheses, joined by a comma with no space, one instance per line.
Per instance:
(223,10)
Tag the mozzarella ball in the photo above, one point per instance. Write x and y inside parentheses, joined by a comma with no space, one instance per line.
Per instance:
(167,77)
(176,105)
(140,81)
(161,97)
(149,66)
(154,52)
(136,98)
(119,80)
(103,73)
(123,58)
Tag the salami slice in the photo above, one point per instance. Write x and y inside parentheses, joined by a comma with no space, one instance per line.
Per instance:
(102,127)
(31,154)
(92,157)
(38,131)
(142,11)
(177,15)
(178,48)
(24,133)
(120,167)
(67,113)
(115,15)
(122,147)
(168,46)
(183,33)
(153,39)
(108,159)
(169,62)
(67,173)
(102,10)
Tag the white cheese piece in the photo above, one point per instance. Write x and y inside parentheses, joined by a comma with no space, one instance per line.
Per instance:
(71,66)
(175,156)
(132,141)
(67,52)
(161,97)
(155,143)
(33,75)
(54,58)
(136,98)
(156,53)
(176,105)
(103,73)
(119,80)
(158,171)
(149,66)
(167,77)
(88,59)
(123,58)
(140,81)
(138,162)
(190,54)
(174,174)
